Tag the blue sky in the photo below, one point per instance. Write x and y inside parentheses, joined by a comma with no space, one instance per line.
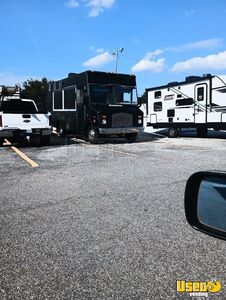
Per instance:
(163,41)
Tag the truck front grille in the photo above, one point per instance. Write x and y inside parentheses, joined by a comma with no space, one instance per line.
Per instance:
(122,120)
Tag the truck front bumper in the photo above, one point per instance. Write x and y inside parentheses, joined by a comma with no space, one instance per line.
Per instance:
(7,133)
(120,130)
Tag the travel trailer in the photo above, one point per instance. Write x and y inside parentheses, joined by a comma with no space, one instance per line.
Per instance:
(197,102)
(96,104)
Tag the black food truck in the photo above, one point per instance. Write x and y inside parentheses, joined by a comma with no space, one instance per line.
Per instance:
(96,104)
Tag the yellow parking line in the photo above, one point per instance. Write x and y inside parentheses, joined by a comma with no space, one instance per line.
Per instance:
(103,148)
(22,155)
(117,151)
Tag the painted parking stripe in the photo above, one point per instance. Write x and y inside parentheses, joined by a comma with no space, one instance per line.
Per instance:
(104,148)
(22,155)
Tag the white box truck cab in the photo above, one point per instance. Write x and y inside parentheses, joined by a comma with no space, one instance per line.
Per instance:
(198,102)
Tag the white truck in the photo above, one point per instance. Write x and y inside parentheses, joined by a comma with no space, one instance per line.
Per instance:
(20,118)
(198,102)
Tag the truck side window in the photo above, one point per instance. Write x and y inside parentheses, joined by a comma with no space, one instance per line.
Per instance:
(157,106)
(200,93)
(69,98)
(58,100)
(158,94)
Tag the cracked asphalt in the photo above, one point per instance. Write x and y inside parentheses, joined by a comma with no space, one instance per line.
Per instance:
(105,221)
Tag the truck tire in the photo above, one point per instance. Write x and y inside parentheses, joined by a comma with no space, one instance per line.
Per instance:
(92,135)
(1,142)
(202,132)
(131,138)
(173,132)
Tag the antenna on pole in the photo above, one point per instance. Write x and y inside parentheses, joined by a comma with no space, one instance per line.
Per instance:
(116,53)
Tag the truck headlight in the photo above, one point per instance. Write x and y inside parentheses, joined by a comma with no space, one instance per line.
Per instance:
(104,121)
(139,121)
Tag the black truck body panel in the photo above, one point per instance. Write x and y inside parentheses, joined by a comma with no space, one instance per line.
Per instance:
(74,110)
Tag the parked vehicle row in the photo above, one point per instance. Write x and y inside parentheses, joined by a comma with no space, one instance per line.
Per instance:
(100,104)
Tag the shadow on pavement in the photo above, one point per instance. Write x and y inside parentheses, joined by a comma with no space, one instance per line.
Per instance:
(212,134)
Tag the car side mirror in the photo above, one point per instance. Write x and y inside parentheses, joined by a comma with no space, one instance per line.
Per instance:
(205,203)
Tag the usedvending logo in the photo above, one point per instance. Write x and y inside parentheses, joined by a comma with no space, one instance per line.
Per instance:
(198,288)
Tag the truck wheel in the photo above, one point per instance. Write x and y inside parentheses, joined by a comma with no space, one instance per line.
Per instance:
(45,140)
(1,142)
(202,132)
(173,132)
(92,135)
(131,138)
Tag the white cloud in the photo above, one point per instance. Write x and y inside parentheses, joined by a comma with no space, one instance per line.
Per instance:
(72,4)
(98,6)
(100,50)
(99,60)
(8,78)
(210,62)
(97,50)
(95,6)
(199,45)
(149,64)
(150,55)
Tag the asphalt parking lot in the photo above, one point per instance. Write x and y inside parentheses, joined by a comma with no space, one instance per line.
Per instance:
(105,221)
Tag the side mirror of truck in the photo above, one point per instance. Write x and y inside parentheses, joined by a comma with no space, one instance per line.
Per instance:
(205,203)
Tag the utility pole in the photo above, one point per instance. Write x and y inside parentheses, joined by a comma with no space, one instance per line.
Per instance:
(116,53)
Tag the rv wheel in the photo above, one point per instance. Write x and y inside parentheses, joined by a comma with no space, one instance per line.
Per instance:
(92,135)
(173,132)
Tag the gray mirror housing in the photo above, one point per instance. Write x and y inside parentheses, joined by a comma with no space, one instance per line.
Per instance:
(205,203)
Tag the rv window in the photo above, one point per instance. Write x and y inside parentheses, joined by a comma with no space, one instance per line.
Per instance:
(58,100)
(69,98)
(158,106)
(200,93)
(170,113)
(158,94)
(187,101)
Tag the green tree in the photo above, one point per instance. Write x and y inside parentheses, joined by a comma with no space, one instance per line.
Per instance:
(144,97)
(36,90)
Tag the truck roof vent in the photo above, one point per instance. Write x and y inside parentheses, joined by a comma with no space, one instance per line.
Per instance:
(207,75)
(71,74)
(192,78)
